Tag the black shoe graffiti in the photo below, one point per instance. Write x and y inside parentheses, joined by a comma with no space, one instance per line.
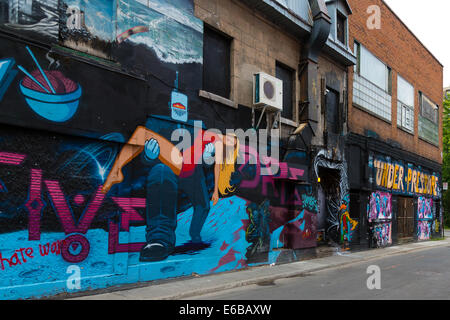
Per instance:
(154,252)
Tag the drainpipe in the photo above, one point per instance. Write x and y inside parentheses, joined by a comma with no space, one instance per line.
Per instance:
(308,74)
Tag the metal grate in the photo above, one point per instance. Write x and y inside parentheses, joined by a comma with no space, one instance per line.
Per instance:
(371,97)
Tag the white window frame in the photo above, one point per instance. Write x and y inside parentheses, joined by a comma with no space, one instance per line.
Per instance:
(405,111)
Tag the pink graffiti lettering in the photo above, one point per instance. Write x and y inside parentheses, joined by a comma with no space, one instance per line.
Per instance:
(75,248)
(64,213)
(129,215)
(267,182)
(11,158)
(35,205)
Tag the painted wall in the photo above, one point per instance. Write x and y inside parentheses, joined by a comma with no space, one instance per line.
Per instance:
(67,123)
(425,218)
(379,211)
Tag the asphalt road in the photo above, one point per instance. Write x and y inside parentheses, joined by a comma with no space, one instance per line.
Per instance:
(418,275)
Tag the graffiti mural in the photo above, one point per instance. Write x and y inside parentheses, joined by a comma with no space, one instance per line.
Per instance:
(379,213)
(88,26)
(347,224)
(340,227)
(58,214)
(49,93)
(425,218)
(380,206)
(34,18)
(425,208)
(404,178)
(85,181)
(7,75)
(258,230)
(382,233)
(168,28)
(424,230)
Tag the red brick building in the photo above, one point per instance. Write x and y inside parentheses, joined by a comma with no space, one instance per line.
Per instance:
(394,140)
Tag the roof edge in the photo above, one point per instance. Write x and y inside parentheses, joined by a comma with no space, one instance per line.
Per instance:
(412,33)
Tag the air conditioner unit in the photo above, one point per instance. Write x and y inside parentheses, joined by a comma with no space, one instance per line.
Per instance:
(267,91)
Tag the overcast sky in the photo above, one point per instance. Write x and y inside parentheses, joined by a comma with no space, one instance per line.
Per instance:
(428,20)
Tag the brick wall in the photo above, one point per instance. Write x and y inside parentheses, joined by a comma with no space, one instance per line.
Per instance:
(397,47)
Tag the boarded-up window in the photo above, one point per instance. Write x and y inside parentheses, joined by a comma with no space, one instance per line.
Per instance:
(286,74)
(216,63)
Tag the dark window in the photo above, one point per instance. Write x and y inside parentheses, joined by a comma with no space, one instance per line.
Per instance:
(357,49)
(341,28)
(4,12)
(287,75)
(332,111)
(216,63)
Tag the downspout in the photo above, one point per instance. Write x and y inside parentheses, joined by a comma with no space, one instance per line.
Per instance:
(310,86)
(308,74)
(320,31)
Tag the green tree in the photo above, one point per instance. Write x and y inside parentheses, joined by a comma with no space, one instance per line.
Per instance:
(446,158)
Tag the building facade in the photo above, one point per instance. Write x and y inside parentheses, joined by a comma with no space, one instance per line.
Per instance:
(395,130)
(95,100)
(116,119)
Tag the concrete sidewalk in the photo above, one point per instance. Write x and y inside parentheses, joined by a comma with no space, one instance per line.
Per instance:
(185,288)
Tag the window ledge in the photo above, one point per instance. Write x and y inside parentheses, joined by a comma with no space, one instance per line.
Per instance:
(405,130)
(217,98)
(429,142)
(373,114)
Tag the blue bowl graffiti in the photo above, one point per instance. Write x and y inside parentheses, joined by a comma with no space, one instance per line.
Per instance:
(53,107)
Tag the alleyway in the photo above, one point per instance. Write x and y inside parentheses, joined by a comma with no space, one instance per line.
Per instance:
(418,275)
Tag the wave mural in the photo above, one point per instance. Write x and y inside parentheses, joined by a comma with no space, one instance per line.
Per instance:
(173,34)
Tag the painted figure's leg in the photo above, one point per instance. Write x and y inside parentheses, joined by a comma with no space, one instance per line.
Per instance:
(197,192)
(161,214)
(168,155)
